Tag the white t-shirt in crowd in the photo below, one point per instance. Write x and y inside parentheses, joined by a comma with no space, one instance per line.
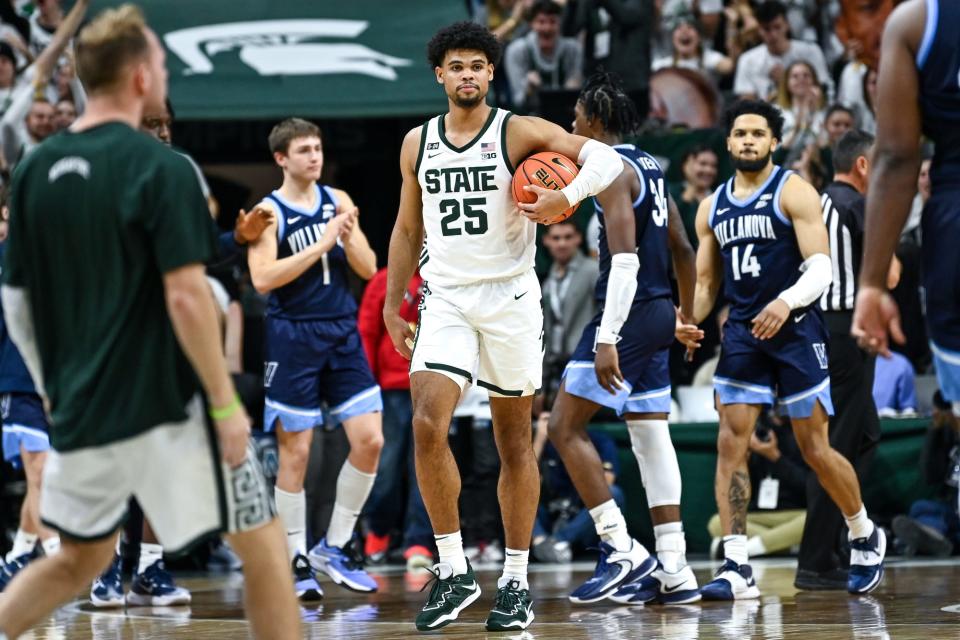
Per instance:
(753,68)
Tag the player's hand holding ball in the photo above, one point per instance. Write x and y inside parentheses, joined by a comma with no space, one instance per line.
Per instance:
(537,183)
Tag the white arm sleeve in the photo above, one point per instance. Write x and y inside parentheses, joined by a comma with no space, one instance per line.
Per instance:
(817,276)
(17,314)
(601,164)
(621,287)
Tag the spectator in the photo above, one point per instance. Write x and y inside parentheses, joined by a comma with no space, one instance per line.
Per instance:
(742,30)
(542,59)
(563,523)
(699,167)
(837,120)
(894,390)
(617,37)
(801,99)
(858,85)
(689,52)
(46,17)
(388,502)
(760,70)
(704,13)
(64,114)
(568,300)
(933,526)
(776,514)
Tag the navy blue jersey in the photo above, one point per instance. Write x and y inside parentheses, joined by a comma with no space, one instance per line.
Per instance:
(938,63)
(320,292)
(761,257)
(650,213)
(14,377)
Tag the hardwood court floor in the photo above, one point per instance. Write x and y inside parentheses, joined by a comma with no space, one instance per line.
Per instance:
(917,600)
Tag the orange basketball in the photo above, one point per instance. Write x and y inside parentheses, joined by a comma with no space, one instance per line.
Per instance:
(548,170)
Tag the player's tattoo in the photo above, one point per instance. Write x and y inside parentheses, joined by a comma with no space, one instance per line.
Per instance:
(738,497)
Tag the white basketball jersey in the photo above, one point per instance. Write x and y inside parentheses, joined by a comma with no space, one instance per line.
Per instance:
(474,231)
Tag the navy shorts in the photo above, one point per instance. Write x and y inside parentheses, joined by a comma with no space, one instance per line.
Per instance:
(24,424)
(643,351)
(941,282)
(790,368)
(312,363)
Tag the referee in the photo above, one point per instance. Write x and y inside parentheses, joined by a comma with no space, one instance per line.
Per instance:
(855,427)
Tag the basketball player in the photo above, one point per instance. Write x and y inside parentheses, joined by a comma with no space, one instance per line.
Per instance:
(26,441)
(921,58)
(762,234)
(481,307)
(313,350)
(107,302)
(621,363)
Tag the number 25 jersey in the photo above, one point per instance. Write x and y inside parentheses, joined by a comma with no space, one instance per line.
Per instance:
(761,257)
(474,231)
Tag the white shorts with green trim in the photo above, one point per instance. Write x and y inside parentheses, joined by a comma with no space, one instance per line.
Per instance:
(489,333)
(175,473)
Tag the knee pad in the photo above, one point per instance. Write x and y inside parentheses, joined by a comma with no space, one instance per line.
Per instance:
(657,460)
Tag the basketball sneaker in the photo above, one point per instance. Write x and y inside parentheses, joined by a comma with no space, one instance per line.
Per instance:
(107,590)
(305,583)
(449,595)
(155,588)
(613,569)
(343,568)
(866,562)
(660,587)
(513,609)
(12,567)
(732,582)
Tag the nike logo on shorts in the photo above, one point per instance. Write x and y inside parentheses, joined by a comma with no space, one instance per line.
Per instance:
(800,317)
(517,297)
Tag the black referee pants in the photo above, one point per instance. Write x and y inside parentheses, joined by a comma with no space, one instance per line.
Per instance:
(854,432)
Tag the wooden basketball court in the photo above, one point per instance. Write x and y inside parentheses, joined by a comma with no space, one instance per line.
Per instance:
(917,600)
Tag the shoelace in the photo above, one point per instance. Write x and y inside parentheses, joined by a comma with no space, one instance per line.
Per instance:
(353,557)
(508,596)
(602,563)
(436,582)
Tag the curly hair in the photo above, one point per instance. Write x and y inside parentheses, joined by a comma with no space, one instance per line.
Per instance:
(603,97)
(755,107)
(463,35)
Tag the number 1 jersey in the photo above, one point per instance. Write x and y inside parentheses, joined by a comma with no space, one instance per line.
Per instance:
(761,257)
(474,231)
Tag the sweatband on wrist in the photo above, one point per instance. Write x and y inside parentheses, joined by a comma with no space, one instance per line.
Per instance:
(600,166)
(225,412)
(621,287)
(817,275)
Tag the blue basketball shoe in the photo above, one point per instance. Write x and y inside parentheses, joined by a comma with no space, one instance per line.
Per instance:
(107,590)
(613,569)
(342,567)
(155,588)
(732,582)
(866,562)
(12,567)
(305,583)
(660,587)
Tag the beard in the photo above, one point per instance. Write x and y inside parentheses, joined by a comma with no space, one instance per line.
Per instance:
(467,102)
(750,166)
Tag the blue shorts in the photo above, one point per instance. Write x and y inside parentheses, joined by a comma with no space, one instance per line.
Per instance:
(791,367)
(644,354)
(24,424)
(941,283)
(315,362)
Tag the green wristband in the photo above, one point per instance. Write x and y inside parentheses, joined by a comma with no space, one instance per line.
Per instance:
(225,412)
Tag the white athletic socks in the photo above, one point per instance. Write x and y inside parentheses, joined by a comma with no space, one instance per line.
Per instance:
(610,525)
(671,546)
(149,553)
(51,546)
(450,549)
(23,543)
(514,568)
(353,487)
(292,508)
(735,548)
(860,525)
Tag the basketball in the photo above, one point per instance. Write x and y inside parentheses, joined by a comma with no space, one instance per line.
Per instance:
(548,170)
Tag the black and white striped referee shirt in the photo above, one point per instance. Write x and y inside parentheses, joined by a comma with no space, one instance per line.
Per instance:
(843,212)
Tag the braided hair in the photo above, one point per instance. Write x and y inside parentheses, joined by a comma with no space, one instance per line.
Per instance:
(603,97)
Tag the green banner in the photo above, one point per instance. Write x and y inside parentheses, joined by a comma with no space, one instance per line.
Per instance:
(314,58)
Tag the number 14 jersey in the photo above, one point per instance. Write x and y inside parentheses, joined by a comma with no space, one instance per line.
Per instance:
(761,257)
(474,231)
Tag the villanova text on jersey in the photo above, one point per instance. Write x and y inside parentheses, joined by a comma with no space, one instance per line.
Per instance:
(759,247)
(321,292)
(650,218)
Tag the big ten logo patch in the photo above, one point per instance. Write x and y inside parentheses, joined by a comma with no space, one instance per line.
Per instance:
(820,349)
(269,370)
(543,176)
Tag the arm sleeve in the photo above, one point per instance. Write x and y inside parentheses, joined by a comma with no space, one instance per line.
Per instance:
(600,166)
(817,276)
